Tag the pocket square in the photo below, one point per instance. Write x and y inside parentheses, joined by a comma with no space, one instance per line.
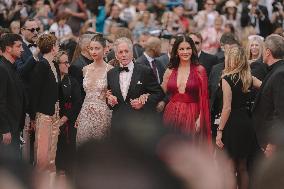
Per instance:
(139,83)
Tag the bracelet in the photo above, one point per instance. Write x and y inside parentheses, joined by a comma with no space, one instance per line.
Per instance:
(218,129)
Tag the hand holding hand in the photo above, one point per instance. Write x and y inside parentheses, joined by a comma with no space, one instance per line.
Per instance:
(136,104)
(111,100)
(143,98)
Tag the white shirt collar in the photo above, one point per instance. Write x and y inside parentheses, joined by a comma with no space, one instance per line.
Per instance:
(130,65)
(150,59)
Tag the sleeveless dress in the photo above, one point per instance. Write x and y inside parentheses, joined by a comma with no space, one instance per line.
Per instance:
(95,117)
(183,109)
(238,135)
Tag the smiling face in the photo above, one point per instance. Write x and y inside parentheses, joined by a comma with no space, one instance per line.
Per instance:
(96,50)
(255,49)
(184,51)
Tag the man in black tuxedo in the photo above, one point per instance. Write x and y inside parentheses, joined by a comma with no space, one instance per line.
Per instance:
(81,61)
(227,41)
(268,109)
(25,65)
(27,61)
(134,88)
(257,16)
(205,59)
(11,91)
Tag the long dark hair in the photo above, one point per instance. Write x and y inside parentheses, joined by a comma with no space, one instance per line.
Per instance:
(174,60)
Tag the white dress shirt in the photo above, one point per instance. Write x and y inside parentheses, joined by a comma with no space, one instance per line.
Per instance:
(125,78)
(150,60)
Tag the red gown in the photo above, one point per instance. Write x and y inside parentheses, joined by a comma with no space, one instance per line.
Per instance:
(183,109)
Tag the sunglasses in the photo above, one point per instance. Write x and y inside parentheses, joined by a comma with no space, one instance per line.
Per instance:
(33,29)
(66,63)
(196,42)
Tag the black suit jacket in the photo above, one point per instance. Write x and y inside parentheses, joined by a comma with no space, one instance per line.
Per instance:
(160,67)
(268,109)
(214,80)
(76,72)
(264,25)
(142,81)
(11,98)
(208,61)
(164,59)
(44,89)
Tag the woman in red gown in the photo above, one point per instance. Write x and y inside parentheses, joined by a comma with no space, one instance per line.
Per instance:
(186,82)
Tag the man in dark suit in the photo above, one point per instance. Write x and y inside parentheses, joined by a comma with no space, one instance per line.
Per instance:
(27,61)
(257,16)
(25,65)
(227,41)
(134,88)
(83,60)
(205,59)
(152,51)
(11,91)
(268,109)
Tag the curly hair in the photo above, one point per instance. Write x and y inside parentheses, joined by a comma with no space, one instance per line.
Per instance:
(175,60)
(46,42)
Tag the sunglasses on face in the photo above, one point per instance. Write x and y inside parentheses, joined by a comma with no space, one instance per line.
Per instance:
(33,29)
(196,42)
(66,63)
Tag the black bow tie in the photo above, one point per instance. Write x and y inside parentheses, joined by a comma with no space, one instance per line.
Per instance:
(32,45)
(121,69)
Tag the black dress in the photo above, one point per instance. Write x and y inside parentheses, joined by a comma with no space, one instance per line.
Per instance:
(70,105)
(238,135)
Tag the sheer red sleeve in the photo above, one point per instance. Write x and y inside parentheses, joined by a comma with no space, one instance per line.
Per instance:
(205,128)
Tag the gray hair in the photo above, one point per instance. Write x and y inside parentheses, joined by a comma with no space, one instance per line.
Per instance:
(85,40)
(275,43)
(122,40)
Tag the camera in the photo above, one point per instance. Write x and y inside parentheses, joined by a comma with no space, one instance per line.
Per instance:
(275,5)
(257,11)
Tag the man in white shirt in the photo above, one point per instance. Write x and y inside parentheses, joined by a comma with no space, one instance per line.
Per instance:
(133,88)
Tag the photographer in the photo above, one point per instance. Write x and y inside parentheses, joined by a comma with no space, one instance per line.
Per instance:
(277,14)
(257,16)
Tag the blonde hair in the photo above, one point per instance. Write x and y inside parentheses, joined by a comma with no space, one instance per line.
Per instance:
(237,66)
(251,39)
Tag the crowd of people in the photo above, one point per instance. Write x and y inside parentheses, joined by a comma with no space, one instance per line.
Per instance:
(104,92)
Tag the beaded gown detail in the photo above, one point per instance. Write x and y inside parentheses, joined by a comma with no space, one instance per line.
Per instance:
(95,117)
(183,109)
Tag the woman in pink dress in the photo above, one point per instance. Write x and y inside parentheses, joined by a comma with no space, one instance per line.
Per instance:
(186,82)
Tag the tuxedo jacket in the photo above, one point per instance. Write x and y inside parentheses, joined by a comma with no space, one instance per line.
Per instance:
(164,59)
(160,67)
(207,61)
(11,98)
(142,81)
(268,109)
(44,89)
